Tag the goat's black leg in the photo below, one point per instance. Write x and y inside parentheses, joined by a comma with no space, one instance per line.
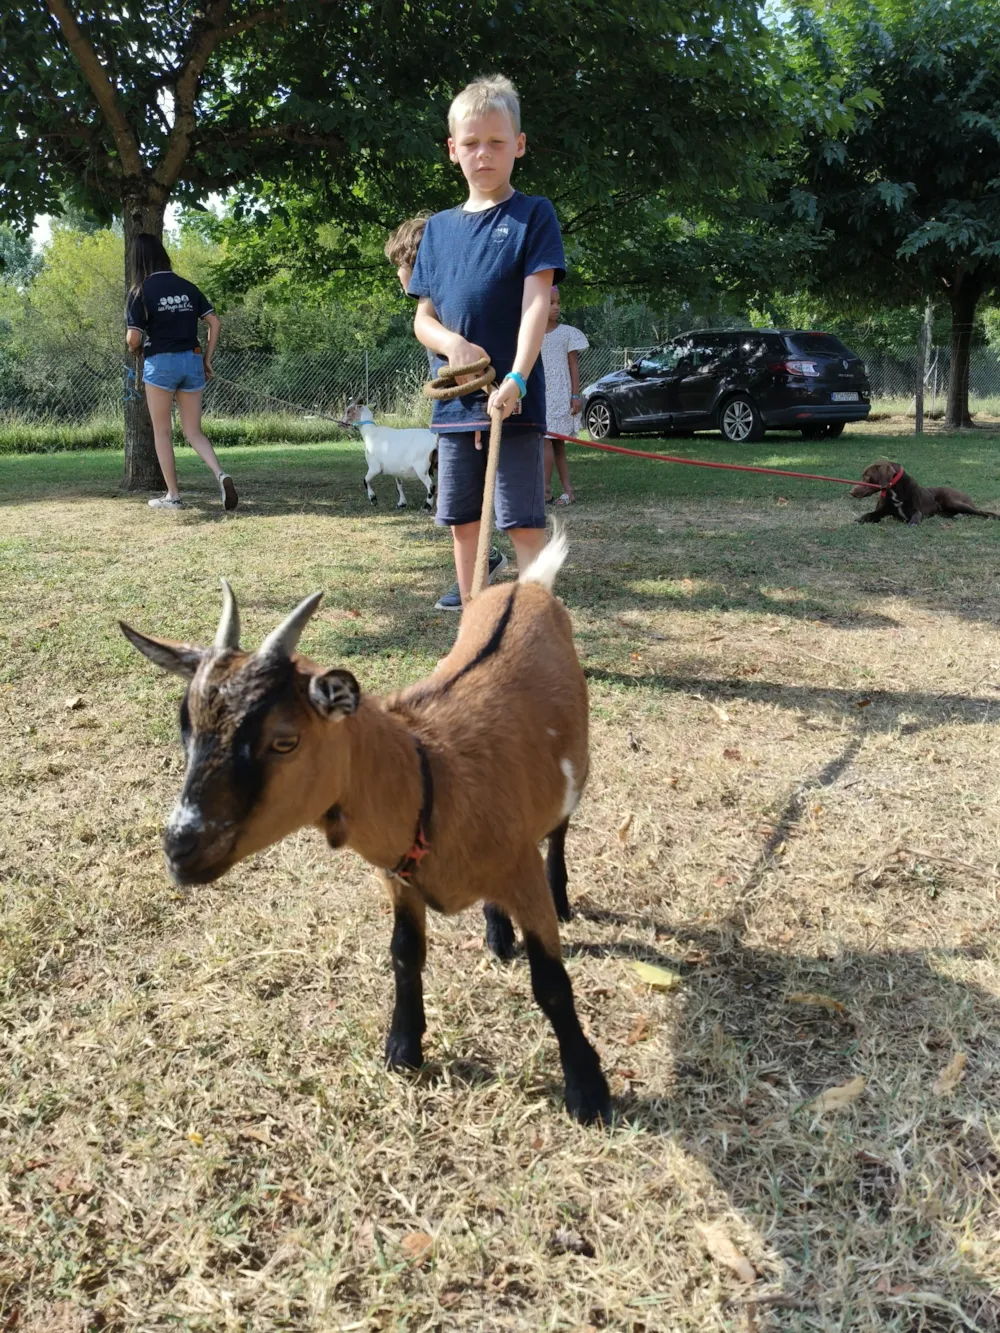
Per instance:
(499,932)
(587,1096)
(555,870)
(409,950)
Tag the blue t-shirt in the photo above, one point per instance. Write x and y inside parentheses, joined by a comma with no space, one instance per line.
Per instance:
(473,267)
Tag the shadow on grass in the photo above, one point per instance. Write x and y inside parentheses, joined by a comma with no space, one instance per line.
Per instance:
(884,710)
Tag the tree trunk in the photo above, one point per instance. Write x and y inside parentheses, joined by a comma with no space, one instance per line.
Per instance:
(142,471)
(964,295)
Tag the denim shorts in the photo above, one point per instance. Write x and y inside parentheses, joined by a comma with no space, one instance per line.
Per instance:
(520,494)
(180,372)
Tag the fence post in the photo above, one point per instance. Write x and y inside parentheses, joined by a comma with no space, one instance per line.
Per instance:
(367,395)
(918,425)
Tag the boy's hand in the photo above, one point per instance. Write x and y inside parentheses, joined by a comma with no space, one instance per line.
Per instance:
(506,397)
(462,353)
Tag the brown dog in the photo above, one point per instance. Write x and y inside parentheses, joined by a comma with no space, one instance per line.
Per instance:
(900,497)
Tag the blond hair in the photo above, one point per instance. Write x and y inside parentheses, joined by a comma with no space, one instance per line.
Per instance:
(401,247)
(481,96)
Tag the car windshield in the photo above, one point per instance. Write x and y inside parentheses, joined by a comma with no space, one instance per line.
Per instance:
(659,361)
(815,344)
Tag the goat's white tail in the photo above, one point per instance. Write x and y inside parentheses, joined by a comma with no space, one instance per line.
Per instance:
(547,564)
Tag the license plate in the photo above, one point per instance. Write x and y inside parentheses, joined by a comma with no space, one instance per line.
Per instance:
(843,397)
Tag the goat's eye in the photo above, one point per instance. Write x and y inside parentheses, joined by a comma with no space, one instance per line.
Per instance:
(284,744)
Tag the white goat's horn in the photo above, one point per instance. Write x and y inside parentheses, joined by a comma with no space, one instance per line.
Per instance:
(281,642)
(228,633)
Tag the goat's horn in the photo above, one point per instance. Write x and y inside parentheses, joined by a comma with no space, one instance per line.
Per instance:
(228,633)
(281,642)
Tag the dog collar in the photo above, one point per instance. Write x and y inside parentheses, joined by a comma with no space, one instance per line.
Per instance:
(891,483)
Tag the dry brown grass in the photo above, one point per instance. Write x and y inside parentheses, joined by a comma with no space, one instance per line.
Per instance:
(196,1130)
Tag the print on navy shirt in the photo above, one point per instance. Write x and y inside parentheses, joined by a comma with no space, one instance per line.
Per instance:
(167,311)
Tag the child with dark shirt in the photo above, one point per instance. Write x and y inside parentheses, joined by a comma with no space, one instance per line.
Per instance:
(161,317)
(401,251)
(483,275)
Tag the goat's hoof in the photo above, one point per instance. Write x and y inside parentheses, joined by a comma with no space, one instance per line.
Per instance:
(588,1100)
(402,505)
(403,1054)
(373,499)
(499,934)
(564,913)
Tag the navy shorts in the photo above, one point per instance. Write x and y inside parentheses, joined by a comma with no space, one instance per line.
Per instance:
(181,372)
(520,496)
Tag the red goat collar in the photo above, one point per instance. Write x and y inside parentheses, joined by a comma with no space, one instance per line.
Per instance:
(407,866)
(891,483)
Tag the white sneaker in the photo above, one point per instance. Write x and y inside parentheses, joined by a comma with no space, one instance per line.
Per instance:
(229,497)
(166,502)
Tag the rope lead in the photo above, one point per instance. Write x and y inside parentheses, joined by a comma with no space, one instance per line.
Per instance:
(444,388)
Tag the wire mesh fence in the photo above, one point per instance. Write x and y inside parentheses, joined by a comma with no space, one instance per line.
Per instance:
(71,390)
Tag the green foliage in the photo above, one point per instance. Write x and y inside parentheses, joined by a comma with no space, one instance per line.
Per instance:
(18,260)
(909,198)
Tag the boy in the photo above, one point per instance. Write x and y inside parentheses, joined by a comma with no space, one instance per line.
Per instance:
(483,276)
(401,251)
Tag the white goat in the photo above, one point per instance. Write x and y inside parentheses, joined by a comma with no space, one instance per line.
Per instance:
(397,453)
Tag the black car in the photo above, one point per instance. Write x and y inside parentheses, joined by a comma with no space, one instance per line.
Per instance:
(741,383)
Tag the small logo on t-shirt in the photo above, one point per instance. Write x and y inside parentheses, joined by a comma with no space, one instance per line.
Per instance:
(500,232)
(175,305)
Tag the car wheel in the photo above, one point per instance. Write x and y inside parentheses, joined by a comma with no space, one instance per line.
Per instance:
(740,421)
(835,429)
(601,420)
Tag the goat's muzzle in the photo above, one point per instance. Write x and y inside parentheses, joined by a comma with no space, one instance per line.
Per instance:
(194,853)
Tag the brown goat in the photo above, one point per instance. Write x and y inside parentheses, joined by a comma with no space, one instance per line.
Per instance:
(447,787)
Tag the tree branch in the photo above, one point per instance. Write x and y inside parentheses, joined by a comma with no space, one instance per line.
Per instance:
(185,94)
(100,86)
(206,180)
(262,16)
(287,133)
(254,21)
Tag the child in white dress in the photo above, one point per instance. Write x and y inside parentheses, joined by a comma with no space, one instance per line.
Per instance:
(561,347)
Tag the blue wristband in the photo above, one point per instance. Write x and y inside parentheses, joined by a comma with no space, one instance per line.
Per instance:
(518,380)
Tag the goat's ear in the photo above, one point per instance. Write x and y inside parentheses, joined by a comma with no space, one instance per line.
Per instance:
(334,694)
(181,658)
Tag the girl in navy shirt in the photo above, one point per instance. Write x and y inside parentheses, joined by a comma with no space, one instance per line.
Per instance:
(162,315)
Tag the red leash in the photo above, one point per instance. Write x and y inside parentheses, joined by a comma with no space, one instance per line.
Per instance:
(694,462)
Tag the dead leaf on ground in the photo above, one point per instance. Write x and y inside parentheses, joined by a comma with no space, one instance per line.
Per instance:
(261,1135)
(732,754)
(719,711)
(951,1075)
(623,828)
(723,1251)
(836,1099)
(640,1031)
(660,978)
(811,997)
(417,1246)
(75,701)
(862,703)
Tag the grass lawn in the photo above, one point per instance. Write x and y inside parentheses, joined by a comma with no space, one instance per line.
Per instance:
(799,714)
